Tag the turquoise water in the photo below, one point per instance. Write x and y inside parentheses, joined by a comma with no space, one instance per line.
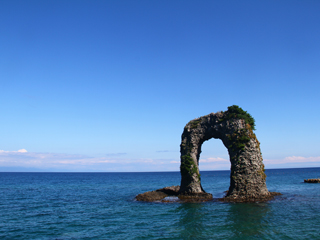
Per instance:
(102,206)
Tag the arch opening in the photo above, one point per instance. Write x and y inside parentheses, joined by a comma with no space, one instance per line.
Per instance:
(214,156)
(214,166)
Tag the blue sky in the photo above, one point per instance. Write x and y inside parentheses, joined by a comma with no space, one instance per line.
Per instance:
(110,85)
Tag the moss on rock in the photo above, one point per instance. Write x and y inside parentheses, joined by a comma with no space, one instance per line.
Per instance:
(188,167)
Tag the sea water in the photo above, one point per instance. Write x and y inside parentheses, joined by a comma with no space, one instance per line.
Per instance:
(102,206)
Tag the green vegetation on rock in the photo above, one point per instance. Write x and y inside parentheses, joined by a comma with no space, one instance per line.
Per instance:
(262,172)
(194,123)
(187,167)
(239,139)
(237,112)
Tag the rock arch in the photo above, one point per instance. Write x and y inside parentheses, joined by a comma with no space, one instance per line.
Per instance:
(247,180)
(235,128)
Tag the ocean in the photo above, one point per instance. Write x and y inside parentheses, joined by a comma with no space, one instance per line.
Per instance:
(102,206)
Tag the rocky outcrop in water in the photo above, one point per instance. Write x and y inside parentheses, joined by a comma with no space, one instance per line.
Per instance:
(159,194)
(166,194)
(312,180)
(235,129)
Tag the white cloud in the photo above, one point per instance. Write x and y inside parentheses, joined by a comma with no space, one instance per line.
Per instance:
(217,159)
(174,162)
(20,151)
(73,162)
(214,163)
(293,159)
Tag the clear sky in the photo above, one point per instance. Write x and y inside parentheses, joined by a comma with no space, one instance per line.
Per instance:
(110,85)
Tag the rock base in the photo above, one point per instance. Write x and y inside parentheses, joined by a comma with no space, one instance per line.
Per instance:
(172,194)
(265,198)
(313,180)
(196,197)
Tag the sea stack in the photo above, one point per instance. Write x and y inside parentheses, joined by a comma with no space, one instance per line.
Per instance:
(234,128)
